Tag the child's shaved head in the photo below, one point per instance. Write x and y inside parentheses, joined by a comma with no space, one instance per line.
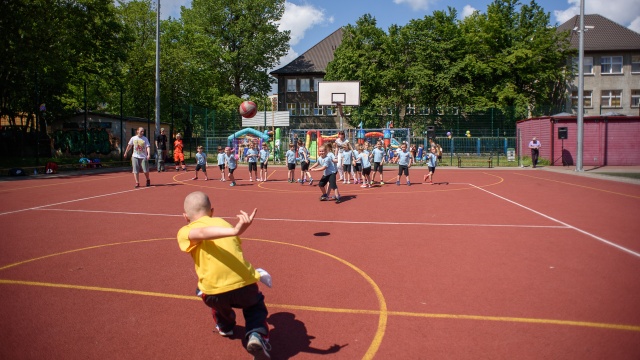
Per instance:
(196,203)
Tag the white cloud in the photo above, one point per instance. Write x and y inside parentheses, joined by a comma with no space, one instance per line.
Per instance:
(624,12)
(416,4)
(635,25)
(467,11)
(300,18)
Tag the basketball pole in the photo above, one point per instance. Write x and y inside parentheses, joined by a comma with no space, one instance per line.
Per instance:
(340,114)
(580,119)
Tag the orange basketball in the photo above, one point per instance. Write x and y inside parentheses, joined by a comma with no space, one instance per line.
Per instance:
(248,109)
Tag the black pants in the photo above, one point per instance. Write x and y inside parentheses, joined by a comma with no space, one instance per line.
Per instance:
(249,299)
(534,156)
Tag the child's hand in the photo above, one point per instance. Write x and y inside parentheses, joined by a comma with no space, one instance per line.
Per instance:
(244,221)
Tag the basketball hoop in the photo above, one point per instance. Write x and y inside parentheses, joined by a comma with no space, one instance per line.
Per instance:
(339,93)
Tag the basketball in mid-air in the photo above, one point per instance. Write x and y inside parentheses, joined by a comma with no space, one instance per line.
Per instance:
(248,109)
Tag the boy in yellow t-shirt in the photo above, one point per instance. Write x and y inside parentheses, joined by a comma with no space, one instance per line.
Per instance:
(225,279)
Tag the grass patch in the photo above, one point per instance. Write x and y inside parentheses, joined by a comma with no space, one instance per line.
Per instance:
(622,174)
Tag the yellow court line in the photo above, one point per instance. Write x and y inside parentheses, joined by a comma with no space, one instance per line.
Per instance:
(382,317)
(62,183)
(587,324)
(582,186)
(371,351)
(77,250)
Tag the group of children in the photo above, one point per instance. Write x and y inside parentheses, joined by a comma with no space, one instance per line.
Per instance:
(357,165)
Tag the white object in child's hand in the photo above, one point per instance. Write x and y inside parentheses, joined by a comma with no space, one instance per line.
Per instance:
(265,278)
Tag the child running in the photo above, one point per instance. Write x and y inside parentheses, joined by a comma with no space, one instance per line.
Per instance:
(226,280)
(303,153)
(231,163)
(432,162)
(264,160)
(252,160)
(221,162)
(291,163)
(201,163)
(378,161)
(404,159)
(326,161)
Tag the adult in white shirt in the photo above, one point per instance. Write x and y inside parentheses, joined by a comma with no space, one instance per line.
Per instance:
(140,156)
(534,145)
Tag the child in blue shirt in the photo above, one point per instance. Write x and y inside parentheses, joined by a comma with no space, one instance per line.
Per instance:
(221,162)
(347,160)
(303,155)
(291,163)
(364,160)
(404,159)
(231,163)
(378,161)
(432,162)
(264,159)
(252,160)
(326,162)
(201,163)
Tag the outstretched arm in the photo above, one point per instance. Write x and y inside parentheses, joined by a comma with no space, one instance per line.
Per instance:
(216,232)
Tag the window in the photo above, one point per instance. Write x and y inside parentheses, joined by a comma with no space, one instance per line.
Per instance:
(292,109)
(291,85)
(385,111)
(611,65)
(424,110)
(410,109)
(587,65)
(635,64)
(305,109)
(305,85)
(635,98)
(331,110)
(315,83)
(611,98)
(587,96)
(318,110)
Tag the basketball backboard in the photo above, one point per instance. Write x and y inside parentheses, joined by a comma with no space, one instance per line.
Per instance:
(346,93)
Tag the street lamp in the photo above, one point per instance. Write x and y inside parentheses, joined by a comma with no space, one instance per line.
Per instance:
(580,119)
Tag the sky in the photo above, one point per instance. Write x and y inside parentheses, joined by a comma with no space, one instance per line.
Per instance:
(310,21)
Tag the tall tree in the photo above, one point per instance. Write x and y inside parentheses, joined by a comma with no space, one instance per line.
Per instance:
(49,47)
(361,57)
(520,58)
(246,39)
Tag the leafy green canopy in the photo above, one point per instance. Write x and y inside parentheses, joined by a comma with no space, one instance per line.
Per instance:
(509,58)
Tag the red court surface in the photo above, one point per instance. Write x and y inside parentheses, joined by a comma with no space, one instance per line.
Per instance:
(489,264)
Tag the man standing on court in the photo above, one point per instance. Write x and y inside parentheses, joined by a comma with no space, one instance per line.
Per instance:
(534,145)
(161,146)
(140,156)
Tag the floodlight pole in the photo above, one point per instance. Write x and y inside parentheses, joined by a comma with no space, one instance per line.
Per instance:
(157,132)
(580,119)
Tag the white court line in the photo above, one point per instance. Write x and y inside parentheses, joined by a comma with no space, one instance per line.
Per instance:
(324,221)
(70,201)
(605,241)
